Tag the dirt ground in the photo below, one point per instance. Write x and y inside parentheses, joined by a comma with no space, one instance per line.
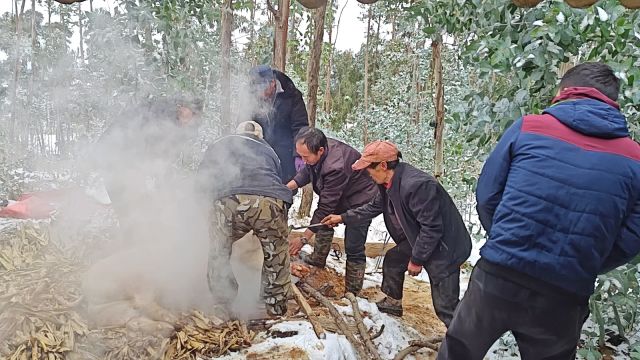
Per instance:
(284,352)
(418,309)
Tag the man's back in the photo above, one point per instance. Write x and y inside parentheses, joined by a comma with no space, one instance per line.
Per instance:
(238,164)
(571,188)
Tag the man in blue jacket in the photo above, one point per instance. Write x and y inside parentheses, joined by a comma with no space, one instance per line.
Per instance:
(559,198)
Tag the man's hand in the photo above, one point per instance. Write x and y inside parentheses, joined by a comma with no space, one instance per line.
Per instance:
(413,269)
(308,234)
(332,220)
(295,245)
(292,185)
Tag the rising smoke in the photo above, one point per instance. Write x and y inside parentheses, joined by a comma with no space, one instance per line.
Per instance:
(157,252)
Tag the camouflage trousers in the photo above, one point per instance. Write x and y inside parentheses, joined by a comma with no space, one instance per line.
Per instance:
(232,218)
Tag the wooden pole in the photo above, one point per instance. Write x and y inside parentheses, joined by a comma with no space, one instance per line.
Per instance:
(306,308)
(342,325)
(364,333)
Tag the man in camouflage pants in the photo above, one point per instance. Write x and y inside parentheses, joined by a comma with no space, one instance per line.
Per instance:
(242,172)
(235,216)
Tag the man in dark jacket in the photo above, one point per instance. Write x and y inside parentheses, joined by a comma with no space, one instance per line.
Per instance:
(140,148)
(242,174)
(339,188)
(281,113)
(559,198)
(423,221)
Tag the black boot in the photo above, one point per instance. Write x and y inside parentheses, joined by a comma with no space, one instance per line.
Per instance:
(354,277)
(321,249)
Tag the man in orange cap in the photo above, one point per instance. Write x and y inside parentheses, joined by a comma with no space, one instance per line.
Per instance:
(423,221)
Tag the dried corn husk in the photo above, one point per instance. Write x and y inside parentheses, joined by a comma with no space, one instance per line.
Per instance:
(200,337)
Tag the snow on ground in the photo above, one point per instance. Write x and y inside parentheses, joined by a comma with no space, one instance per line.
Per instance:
(394,338)
(396,334)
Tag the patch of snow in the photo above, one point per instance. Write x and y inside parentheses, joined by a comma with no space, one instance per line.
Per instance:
(395,337)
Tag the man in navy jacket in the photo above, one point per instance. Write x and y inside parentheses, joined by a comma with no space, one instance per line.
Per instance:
(559,198)
(281,113)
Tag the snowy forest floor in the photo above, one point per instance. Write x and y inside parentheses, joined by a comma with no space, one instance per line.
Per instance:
(41,275)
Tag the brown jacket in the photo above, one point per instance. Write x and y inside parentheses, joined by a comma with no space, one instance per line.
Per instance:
(339,187)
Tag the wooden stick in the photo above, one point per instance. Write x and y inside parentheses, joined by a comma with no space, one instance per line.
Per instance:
(416,345)
(364,333)
(360,351)
(377,335)
(306,308)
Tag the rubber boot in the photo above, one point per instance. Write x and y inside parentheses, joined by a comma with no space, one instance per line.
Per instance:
(390,306)
(354,277)
(321,249)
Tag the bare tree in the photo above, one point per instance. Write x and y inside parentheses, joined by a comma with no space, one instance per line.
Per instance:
(281,16)
(81,31)
(313,72)
(16,72)
(225,84)
(366,78)
(436,49)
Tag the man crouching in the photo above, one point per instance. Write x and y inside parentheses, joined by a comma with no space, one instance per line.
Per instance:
(242,174)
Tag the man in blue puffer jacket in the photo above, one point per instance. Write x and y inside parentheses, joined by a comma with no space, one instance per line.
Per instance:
(559,198)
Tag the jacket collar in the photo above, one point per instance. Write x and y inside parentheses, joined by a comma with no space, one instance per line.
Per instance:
(575,93)
(396,180)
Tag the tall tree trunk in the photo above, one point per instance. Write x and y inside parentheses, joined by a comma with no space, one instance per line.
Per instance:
(33,50)
(30,124)
(227,24)
(366,79)
(16,73)
(376,51)
(436,48)
(417,83)
(326,102)
(313,68)
(252,31)
(291,47)
(81,33)
(313,72)
(394,27)
(282,26)
(91,5)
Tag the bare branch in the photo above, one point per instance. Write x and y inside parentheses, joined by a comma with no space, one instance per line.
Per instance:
(276,13)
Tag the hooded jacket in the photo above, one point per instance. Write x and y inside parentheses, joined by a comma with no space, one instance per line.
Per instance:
(559,196)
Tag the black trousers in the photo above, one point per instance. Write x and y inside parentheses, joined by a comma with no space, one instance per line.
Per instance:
(355,237)
(445,293)
(545,326)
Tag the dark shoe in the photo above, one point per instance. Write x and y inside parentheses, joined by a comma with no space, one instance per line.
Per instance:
(354,277)
(390,306)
